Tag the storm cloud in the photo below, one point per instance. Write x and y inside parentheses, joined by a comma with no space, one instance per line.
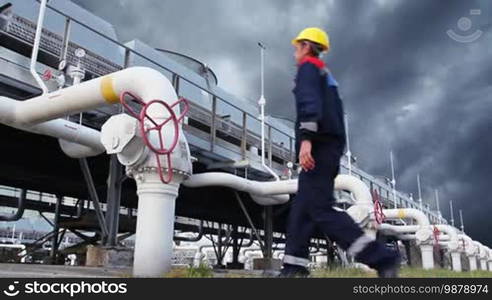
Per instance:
(407,85)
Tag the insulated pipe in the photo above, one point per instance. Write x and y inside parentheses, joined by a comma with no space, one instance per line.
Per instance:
(490,260)
(407,213)
(269,188)
(144,82)
(78,140)
(423,234)
(482,256)
(155,226)
(452,245)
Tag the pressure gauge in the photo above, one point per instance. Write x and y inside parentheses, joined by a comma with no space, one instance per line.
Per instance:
(79,52)
(62,65)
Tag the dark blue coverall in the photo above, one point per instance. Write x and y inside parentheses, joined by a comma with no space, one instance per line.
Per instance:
(320,118)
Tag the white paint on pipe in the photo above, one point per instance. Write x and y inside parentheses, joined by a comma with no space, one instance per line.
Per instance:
(456,261)
(427,256)
(38,114)
(146,83)
(407,213)
(275,188)
(472,260)
(155,226)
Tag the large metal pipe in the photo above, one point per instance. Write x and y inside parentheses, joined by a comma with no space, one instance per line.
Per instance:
(45,114)
(275,188)
(407,213)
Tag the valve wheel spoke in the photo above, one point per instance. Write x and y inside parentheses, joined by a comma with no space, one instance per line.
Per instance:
(142,117)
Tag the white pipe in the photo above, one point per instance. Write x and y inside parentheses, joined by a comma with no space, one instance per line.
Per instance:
(269,188)
(35,48)
(38,114)
(144,82)
(403,229)
(407,213)
(84,141)
(482,256)
(427,256)
(155,226)
(262,103)
(490,260)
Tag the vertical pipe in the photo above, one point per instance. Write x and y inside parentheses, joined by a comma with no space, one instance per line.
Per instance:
(451,212)
(347,138)
(461,221)
(213,125)
(472,259)
(420,191)
(155,226)
(437,205)
(244,134)
(35,48)
(66,39)
(393,179)
(270,146)
(456,261)
(427,256)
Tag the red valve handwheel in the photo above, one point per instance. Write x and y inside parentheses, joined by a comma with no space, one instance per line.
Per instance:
(143,117)
(378,208)
(436,232)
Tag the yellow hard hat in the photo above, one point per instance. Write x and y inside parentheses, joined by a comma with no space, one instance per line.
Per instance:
(315,35)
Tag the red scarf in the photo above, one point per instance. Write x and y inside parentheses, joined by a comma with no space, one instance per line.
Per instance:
(314,60)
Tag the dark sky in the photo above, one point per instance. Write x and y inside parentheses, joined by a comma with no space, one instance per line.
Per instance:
(407,85)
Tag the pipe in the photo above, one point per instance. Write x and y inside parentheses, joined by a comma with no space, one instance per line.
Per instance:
(21,201)
(262,103)
(144,82)
(155,227)
(490,260)
(35,48)
(269,188)
(407,213)
(481,256)
(78,140)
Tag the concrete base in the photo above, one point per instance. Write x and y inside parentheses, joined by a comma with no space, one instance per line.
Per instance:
(267,264)
(115,257)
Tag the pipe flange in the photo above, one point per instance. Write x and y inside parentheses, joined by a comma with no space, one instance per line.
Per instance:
(133,172)
(424,236)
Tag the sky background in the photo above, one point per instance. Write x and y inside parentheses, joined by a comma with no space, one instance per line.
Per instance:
(406,84)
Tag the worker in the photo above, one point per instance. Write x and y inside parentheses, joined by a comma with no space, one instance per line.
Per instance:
(320,142)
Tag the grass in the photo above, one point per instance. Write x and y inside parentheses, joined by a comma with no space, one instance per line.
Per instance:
(406,272)
(190,272)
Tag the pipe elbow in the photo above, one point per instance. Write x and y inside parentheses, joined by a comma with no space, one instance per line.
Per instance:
(356,186)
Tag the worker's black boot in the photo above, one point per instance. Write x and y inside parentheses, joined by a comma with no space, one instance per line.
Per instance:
(293,271)
(389,268)
(384,260)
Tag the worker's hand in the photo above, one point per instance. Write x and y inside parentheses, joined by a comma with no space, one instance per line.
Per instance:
(305,158)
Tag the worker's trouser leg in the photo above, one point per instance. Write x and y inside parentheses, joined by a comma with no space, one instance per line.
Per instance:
(313,207)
